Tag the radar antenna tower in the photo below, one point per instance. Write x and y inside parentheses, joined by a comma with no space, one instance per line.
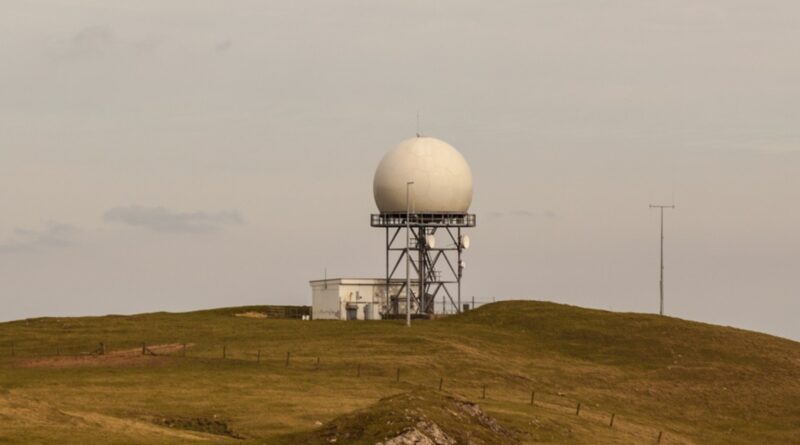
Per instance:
(435,270)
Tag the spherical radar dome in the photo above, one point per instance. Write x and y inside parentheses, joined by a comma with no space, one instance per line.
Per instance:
(442,178)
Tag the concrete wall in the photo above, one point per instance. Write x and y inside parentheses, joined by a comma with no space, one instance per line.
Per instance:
(357,295)
(325,303)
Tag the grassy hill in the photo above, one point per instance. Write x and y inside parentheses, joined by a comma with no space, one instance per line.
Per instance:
(354,382)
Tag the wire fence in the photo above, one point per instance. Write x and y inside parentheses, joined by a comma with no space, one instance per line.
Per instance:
(445,307)
(471,388)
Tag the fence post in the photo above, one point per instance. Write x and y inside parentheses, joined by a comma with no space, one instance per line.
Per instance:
(533,394)
(317,362)
(144,348)
(102,348)
(484,392)
(287,358)
(659,436)
(441,382)
(578,409)
(611,423)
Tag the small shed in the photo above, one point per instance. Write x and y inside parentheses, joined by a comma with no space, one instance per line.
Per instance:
(351,298)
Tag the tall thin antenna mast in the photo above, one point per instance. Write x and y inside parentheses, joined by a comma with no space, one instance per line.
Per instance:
(419,131)
(661,276)
(408,253)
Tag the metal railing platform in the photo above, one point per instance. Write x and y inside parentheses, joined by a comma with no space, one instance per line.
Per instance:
(423,219)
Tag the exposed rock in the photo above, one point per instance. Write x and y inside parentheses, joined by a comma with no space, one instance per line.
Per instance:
(424,433)
(476,412)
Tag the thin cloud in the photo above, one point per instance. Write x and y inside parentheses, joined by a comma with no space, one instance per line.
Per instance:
(99,41)
(780,147)
(92,40)
(546,214)
(161,219)
(52,235)
(223,46)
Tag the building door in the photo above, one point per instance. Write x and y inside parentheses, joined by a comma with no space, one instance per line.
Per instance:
(352,313)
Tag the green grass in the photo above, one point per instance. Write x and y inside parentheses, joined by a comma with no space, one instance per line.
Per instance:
(698,383)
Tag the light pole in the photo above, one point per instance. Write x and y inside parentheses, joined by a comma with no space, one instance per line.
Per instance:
(408,253)
(661,277)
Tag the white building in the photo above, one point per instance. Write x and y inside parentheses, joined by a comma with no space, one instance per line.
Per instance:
(351,298)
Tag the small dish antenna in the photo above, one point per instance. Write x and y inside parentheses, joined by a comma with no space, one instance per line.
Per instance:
(465,241)
(430,241)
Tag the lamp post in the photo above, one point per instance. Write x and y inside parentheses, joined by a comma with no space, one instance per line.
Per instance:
(408,253)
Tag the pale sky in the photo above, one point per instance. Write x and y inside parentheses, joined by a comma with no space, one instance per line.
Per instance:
(176,155)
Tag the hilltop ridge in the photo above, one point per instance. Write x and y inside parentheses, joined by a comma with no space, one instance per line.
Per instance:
(267,379)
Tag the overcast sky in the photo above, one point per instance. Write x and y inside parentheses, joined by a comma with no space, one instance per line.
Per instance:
(174,155)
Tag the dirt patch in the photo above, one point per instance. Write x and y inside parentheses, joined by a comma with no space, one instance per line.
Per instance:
(162,349)
(199,424)
(251,314)
(132,427)
(154,355)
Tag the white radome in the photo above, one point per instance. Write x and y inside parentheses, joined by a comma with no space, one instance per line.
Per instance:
(442,178)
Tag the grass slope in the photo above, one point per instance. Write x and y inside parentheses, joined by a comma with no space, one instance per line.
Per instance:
(697,383)
(411,417)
